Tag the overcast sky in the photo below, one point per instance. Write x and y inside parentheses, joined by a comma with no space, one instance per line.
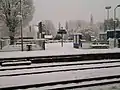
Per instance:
(62,10)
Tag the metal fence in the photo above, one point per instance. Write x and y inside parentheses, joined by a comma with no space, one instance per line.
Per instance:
(28,44)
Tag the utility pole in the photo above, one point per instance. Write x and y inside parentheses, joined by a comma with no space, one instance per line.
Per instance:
(21,25)
(115,25)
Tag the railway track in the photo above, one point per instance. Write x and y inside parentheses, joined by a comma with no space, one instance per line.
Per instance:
(63,75)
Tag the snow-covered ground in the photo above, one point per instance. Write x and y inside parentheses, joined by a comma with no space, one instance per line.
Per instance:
(56,49)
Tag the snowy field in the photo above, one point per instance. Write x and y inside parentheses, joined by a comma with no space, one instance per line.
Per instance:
(56,49)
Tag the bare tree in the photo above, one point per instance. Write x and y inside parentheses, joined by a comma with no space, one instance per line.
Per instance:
(12,11)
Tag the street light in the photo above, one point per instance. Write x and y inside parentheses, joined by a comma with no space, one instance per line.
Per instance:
(115,24)
(108,9)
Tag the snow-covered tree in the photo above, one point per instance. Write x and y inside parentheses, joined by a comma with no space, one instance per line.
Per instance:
(49,27)
(75,26)
(109,24)
(80,26)
(12,12)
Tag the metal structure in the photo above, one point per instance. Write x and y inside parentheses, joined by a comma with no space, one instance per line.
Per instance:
(77,40)
(115,24)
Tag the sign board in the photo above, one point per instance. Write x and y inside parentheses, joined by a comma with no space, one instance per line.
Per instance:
(62,31)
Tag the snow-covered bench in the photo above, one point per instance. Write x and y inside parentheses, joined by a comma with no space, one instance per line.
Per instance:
(99,46)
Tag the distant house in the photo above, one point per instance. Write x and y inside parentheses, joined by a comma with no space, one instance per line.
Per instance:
(103,36)
(111,33)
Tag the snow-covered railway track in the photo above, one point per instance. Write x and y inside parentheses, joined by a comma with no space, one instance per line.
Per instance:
(69,84)
(60,68)
(45,65)
(57,76)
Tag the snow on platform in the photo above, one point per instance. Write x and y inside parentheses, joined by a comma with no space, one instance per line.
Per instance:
(56,49)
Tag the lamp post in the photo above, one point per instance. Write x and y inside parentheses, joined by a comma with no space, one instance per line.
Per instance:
(21,25)
(115,24)
(108,9)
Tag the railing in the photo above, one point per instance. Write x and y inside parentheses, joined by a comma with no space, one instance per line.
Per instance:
(57,41)
(5,45)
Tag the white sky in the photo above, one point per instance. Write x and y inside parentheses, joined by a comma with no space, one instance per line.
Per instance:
(62,10)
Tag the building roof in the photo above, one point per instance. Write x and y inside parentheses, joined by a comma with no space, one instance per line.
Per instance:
(113,30)
(48,36)
(102,32)
(77,34)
